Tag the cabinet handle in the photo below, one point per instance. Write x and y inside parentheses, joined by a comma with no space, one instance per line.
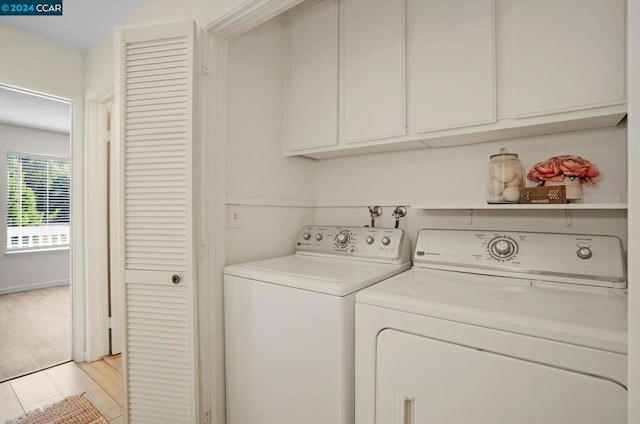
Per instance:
(175,279)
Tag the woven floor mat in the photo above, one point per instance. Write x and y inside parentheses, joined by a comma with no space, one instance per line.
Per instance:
(73,410)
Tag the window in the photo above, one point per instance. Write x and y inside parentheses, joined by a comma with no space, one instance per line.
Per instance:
(37,202)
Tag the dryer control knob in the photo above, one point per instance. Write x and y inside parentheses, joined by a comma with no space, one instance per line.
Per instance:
(370,240)
(584,253)
(386,241)
(306,236)
(319,236)
(502,248)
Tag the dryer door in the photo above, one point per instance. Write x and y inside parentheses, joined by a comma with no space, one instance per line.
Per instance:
(422,380)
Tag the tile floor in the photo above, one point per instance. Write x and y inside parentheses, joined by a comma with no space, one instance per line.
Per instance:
(100,381)
(35,330)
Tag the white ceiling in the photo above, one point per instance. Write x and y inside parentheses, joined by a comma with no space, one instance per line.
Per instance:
(83,23)
(28,110)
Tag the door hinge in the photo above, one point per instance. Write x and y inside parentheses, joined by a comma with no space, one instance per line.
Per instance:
(204,71)
(108,322)
(206,417)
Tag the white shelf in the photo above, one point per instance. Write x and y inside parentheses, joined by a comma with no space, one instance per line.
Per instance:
(562,206)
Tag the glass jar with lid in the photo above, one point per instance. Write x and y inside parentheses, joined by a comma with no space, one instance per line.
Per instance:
(505,178)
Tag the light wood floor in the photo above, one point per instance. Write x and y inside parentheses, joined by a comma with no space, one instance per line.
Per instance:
(35,330)
(101,382)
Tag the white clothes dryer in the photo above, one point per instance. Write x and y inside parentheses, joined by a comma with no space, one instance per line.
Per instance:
(290,324)
(496,327)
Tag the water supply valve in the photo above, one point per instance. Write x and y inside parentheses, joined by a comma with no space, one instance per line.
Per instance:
(399,212)
(374,211)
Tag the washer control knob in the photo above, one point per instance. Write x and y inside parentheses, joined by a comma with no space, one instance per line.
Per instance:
(306,236)
(386,241)
(584,253)
(319,236)
(342,239)
(370,240)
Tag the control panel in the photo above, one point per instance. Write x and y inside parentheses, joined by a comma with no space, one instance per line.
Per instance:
(586,259)
(389,245)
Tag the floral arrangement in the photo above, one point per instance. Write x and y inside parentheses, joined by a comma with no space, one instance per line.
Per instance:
(559,168)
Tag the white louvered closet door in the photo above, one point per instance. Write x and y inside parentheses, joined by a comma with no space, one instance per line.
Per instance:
(157,89)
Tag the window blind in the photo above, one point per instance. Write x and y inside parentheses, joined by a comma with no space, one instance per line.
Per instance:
(38,201)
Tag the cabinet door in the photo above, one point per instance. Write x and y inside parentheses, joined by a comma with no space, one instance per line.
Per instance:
(452,69)
(567,55)
(422,380)
(313,76)
(373,69)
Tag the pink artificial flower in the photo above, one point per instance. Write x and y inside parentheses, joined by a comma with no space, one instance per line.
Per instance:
(545,171)
(558,168)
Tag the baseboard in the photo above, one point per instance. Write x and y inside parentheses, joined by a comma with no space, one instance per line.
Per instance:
(33,286)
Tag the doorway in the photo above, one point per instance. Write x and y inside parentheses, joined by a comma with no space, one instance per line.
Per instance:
(35,180)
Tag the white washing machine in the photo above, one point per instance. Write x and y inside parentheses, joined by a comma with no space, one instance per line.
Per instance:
(289,325)
(496,327)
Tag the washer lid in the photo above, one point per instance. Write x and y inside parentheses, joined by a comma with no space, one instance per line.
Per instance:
(592,318)
(338,277)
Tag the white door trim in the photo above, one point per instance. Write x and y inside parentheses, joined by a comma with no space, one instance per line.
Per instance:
(97,334)
(633,215)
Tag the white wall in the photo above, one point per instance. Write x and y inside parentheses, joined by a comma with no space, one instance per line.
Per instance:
(39,62)
(633,75)
(259,177)
(457,176)
(26,271)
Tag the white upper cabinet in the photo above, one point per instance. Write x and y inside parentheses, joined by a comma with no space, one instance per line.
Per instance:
(452,63)
(312,118)
(372,41)
(459,72)
(567,55)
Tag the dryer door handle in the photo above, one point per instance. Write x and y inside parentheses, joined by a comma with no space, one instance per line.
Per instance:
(405,408)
